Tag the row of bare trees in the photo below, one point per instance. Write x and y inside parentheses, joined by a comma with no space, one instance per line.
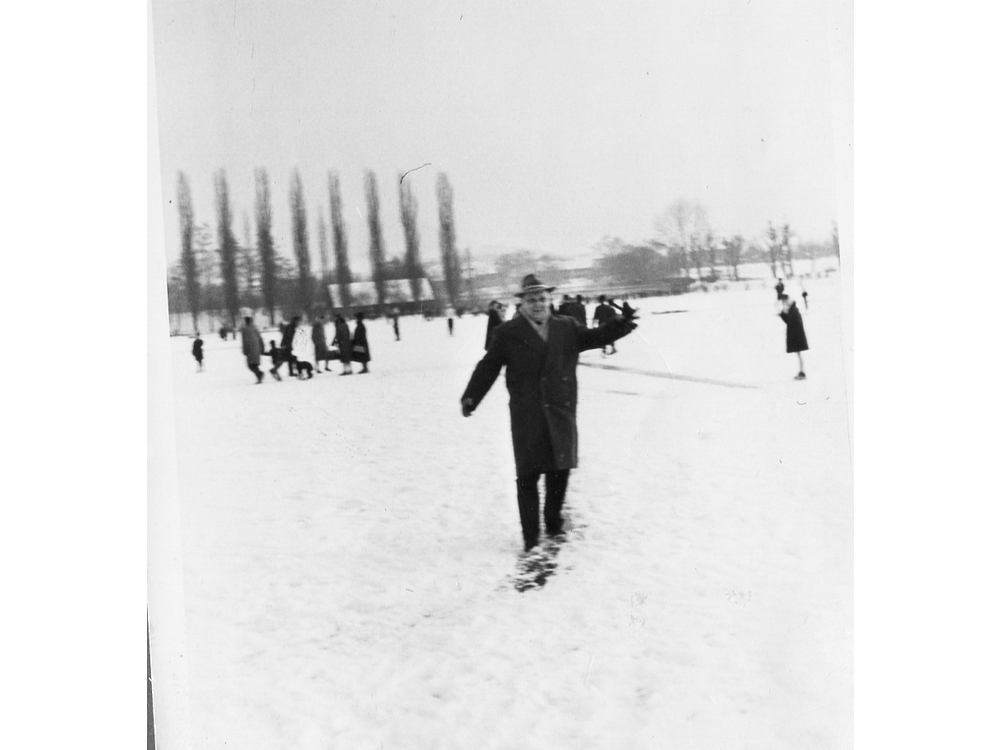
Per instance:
(686,247)
(232,276)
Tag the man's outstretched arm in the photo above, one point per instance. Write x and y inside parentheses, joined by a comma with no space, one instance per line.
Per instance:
(482,379)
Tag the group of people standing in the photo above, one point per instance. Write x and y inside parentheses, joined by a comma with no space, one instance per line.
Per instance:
(348,347)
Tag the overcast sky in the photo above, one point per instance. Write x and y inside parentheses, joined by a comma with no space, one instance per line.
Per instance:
(557,123)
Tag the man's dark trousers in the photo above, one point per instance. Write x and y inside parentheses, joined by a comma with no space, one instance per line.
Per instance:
(528,501)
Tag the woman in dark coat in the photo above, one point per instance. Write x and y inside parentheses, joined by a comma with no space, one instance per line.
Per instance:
(359,345)
(343,344)
(795,332)
(540,352)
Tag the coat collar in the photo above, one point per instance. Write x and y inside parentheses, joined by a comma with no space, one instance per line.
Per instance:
(528,336)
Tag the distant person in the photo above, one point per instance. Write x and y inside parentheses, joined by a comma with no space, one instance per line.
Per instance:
(275,354)
(359,344)
(494,318)
(287,340)
(780,288)
(795,332)
(198,350)
(343,343)
(253,347)
(580,310)
(566,308)
(805,299)
(395,323)
(540,352)
(322,354)
(602,315)
(222,332)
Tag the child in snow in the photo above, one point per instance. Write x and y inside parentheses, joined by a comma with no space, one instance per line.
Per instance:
(275,354)
(795,333)
(198,350)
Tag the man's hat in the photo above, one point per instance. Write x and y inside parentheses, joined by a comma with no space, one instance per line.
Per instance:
(532,283)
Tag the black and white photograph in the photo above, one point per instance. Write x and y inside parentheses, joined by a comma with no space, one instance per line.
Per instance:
(506,396)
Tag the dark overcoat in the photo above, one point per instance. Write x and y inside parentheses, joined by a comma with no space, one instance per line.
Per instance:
(795,332)
(253,344)
(360,351)
(541,380)
(319,339)
(343,341)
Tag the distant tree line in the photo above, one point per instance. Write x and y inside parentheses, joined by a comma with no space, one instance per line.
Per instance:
(226,277)
(686,247)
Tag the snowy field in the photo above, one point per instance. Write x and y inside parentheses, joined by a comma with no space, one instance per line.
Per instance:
(348,544)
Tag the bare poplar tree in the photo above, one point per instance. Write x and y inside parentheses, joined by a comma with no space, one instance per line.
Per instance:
(408,215)
(786,251)
(265,241)
(227,247)
(300,242)
(189,260)
(449,255)
(376,247)
(248,266)
(324,255)
(342,267)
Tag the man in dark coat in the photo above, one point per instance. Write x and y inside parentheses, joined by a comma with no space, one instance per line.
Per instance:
(540,352)
(253,347)
(566,308)
(494,318)
(795,332)
(287,338)
(602,315)
(359,345)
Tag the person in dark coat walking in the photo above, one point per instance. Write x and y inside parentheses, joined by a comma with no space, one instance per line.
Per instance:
(540,352)
(359,344)
(287,338)
(494,318)
(343,343)
(198,350)
(795,332)
(253,347)
(780,289)
(602,315)
(319,343)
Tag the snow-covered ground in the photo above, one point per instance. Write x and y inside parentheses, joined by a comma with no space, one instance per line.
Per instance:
(348,542)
